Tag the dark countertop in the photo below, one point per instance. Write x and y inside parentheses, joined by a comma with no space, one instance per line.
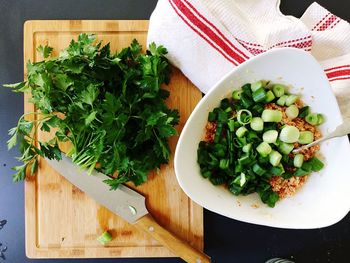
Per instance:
(226,240)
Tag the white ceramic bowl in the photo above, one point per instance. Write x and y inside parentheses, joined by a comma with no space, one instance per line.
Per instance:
(325,197)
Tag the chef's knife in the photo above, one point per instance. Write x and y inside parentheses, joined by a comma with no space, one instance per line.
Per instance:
(126,203)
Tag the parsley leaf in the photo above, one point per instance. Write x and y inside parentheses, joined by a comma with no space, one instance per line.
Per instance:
(109,106)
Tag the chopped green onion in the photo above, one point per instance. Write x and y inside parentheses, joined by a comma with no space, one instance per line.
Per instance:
(277,170)
(242,179)
(316,164)
(278,90)
(269,96)
(289,134)
(244,116)
(224,164)
(236,94)
(257,108)
(304,111)
(282,100)
(258,169)
(275,158)
(231,125)
(218,132)
(257,124)
(285,148)
(259,95)
(211,116)
(244,160)
(291,99)
(246,148)
(241,131)
(298,160)
(271,116)
(246,101)
(306,137)
(312,118)
(104,238)
(320,118)
(270,136)
(256,85)
(292,112)
(264,149)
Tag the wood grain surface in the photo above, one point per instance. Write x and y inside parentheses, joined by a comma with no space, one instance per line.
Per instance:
(61,221)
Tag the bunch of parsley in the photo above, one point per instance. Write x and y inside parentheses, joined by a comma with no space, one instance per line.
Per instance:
(110,107)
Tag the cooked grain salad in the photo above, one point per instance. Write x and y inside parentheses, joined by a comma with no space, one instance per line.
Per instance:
(249,139)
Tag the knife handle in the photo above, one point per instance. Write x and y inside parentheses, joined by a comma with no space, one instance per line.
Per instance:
(173,243)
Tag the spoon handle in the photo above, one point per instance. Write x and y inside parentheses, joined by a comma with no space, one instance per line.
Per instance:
(341,130)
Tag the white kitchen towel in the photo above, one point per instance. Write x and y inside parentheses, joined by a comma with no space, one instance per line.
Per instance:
(207,38)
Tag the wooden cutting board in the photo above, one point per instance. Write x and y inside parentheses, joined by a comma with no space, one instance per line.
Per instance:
(61,221)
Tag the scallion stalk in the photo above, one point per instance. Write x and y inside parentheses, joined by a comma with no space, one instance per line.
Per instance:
(257,124)
(306,137)
(285,148)
(236,94)
(246,148)
(292,112)
(282,100)
(291,99)
(241,131)
(298,160)
(244,116)
(312,118)
(256,85)
(269,96)
(270,136)
(278,90)
(271,116)
(264,149)
(275,158)
(259,95)
(289,134)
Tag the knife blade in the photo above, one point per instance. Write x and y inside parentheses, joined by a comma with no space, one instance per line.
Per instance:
(126,203)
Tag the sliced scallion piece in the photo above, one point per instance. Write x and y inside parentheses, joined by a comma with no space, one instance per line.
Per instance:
(258,169)
(244,116)
(285,148)
(241,131)
(242,180)
(270,136)
(246,148)
(257,85)
(231,125)
(259,95)
(282,100)
(278,90)
(312,118)
(306,137)
(291,99)
(264,149)
(269,96)
(304,111)
(104,238)
(236,94)
(298,160)
(292,112)
(289,134)
(257,124)
(275,158)
(320,118)
(271,116)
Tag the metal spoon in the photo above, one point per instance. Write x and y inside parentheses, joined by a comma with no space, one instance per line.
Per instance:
(341,130)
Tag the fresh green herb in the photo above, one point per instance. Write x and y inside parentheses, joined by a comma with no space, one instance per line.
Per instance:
(105,238)
(110,107)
